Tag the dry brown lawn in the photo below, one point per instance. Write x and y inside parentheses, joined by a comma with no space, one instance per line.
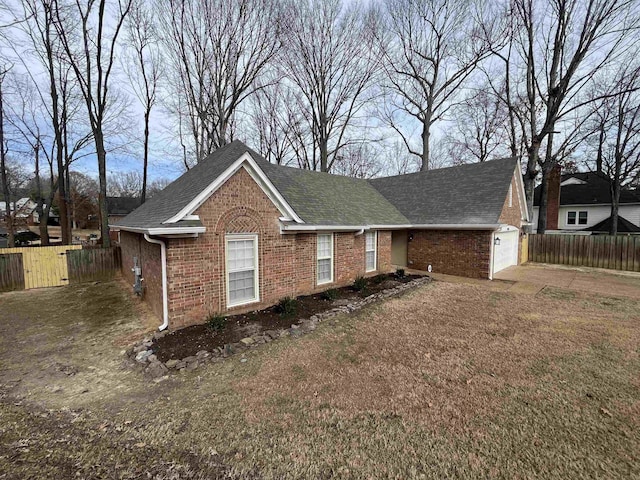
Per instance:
(449,381)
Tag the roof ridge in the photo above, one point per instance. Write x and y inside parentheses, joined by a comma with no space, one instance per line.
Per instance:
(450,167)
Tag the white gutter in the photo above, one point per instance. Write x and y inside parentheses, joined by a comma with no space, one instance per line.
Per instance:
(357,228)
(360,232)
(161,230)
(165,299)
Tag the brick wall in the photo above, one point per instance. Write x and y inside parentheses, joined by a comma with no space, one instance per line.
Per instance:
(287,263)
(149,258)
(512,215)
(553,197)
(454,252)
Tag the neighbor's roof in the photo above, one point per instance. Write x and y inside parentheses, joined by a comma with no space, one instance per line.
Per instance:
(624,226)
(466,194)
(122,205)
(469,194)
(595,191)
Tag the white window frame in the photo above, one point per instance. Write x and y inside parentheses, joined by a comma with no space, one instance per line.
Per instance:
(577,221)
(256,267)
(510,195)
(375,251)
(586,220)
(318,258)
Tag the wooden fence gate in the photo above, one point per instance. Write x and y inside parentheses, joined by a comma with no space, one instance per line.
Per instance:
(44,266)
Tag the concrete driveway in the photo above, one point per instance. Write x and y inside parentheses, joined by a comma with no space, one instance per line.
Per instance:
(533,277)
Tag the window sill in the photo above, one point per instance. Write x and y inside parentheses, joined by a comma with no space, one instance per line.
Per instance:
(246,302)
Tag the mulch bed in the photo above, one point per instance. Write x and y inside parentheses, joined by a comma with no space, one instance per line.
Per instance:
(190,340)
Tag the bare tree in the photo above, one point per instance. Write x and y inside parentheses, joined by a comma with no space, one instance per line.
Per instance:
(90,47)
(217,49)
(3,165)
(143,69)
(563,44)
(478,131)
(617,133)
(126,184)
(329,63)
(46,48)
(273,120)
(431,48)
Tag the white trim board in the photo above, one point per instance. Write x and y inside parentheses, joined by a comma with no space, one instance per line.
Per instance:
(248,163)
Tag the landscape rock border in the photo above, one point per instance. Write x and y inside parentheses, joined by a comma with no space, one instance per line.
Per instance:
(141,355)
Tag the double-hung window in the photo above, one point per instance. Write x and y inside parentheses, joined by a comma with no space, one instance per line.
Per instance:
(582,218)
(324,258)
(579,218)
(371,250)
(242,269)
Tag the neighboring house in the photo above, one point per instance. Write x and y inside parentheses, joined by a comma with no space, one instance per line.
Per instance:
(582,202)
(23,211)
(236,233)
(117,209)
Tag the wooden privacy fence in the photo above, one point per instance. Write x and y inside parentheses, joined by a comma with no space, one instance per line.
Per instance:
(11,272)
(618,252)
(93,264)
(36,267)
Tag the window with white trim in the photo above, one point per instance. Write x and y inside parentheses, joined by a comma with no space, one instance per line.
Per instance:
(581,217)
(242,269)
(510,196)
(324,257)
(371,239)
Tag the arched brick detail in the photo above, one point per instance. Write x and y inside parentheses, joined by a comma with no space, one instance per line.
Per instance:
(240,219)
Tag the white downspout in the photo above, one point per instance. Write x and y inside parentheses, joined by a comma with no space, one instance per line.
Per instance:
(165,299)
(359,232)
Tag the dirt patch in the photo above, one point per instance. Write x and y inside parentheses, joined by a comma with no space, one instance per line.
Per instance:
(73,444)
(189,340)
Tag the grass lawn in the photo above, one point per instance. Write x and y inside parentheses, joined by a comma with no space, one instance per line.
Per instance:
(451,380)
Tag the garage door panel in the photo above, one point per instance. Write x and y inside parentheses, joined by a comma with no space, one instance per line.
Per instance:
(505,254)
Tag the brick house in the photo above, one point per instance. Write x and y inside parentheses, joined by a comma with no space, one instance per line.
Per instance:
(237,233)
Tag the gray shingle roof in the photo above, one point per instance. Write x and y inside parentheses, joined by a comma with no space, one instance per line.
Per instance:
(177,195)
(467,194)
(596,190)
(325,199)
(470,194)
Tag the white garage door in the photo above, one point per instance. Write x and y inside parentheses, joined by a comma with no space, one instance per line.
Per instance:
(505,254)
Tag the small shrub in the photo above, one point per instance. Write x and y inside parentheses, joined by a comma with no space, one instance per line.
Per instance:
(216,322)
(287,306)
(400,273)
(378,279)
(330,294)
(360,284)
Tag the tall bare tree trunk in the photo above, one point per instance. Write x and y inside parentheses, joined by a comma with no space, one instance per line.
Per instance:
(145,165)
(3,171)
(426,137)
(43,219)
(102,196)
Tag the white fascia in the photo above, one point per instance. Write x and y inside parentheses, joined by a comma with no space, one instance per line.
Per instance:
(361,228)
(249,164)
(164,231)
